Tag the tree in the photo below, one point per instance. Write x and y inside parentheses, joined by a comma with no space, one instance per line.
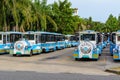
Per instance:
(118,27)
(63,16)
(111,23)
(4,5)
(43,13)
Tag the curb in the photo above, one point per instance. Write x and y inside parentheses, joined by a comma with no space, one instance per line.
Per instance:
(113,71)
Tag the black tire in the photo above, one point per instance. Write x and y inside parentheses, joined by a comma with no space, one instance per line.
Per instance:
(95,59)
(111,54)
(56,48)
(77,59)
(99,54)
(14,54)
(43,50)
(31,53)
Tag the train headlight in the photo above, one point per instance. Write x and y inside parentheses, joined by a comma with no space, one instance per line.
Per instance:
(95,49)
(76,49)
(11,47)
(26,47)
(115,51)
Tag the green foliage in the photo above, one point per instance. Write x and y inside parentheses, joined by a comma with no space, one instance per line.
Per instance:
(23,15)
(111,23)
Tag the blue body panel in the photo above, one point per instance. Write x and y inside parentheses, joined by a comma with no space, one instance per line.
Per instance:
(74,43)
(52,44)
(47,47)
(112,46)
(67,44)
(60,44)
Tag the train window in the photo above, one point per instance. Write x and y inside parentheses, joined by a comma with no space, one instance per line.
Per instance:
(43,38)
(48,37)
(4,39)
(98,38)
(57,38)
(37,38)
(8,38)
(0,36)
(118,38)
(88,37)
(15,37)
(71,38)
(29,36)
(52,37)
(75,38)
(105,37)
(113,39)
(63,38)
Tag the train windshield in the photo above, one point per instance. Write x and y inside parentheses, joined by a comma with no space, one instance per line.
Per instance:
(118,37)
(73,38)
(29,36)
(13,37)
(90,37)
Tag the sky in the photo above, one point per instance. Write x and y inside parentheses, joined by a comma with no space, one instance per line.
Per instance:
(99,10)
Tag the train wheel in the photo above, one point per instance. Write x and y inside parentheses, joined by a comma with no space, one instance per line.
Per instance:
(111,54)
(43,50)
(14,54)
(31,53)
(76,59)
(99,54)
(96,59)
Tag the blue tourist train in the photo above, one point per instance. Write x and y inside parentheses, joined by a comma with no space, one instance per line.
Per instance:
(68,41)
(90,45)
(115,45)
(112,42)
(60,41)
(7,40)
(27,45)
(74,40)
(71,40)
(11,38)
(4,43)
(105,39)
(51,41)
(46,40)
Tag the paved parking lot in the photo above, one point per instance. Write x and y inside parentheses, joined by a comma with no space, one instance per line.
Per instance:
(27,75)
(60,61)
(55,65)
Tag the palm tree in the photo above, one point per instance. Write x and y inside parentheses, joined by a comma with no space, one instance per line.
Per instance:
(3,9)
(43,12)
(63,15)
